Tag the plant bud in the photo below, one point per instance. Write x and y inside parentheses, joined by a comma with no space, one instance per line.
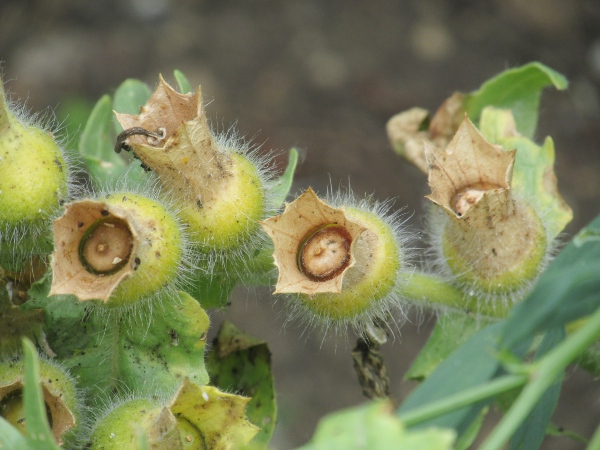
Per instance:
(341,265)
(120,249)
(59,392)
(492,241)
(220,189)
(34,181)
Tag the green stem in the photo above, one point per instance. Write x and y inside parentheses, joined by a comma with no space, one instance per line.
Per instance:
(548,370)
(462,399)
(428,289)
(594,443)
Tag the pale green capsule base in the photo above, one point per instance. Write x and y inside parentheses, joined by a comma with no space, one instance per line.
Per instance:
(370,281)
(124,427)
(501,261)
(159,249)
(229,221)
(33,174)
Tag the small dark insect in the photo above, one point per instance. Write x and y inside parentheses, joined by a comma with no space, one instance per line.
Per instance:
(121,143)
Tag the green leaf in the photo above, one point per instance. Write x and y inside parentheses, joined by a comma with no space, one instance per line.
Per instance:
(471,364)
(466,439)
(38,428)
(213,291)
(517,89)
(567,290)
(129,97)
(373,426)
(260,269)
(16,324)
(96,145)
(451,330)
(240,363)
(533,174)
(182,82)
(11,438)
(283,184)
(39,435)
(532,431)
(139,353)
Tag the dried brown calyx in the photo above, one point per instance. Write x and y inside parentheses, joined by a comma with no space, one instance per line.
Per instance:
(409,130)
(93,251)
(468,170)
(313,245)
(491,241)
(174,140)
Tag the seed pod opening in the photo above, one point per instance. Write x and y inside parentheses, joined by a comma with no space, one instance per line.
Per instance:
(340,265)
(120,249)
(491,240)
(58,390)
(220,186)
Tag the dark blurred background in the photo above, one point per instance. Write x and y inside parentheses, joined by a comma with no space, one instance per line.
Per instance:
(326,76)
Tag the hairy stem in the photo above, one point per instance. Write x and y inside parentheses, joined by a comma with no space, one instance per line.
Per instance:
(429,289)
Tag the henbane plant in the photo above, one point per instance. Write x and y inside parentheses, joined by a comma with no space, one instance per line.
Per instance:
(106,346)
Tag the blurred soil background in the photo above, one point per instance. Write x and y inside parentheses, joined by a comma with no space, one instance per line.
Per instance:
(325,76)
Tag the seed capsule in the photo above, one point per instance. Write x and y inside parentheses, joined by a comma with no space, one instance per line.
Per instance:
(58,390)
(120,249)
(490,240)
(34,183)
(340,265)
(220,187)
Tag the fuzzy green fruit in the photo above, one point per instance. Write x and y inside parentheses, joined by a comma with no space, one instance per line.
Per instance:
(34,181)
(120,249)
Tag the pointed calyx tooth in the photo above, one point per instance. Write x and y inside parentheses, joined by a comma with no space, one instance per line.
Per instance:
(184,156)
(467,170)
(314,245)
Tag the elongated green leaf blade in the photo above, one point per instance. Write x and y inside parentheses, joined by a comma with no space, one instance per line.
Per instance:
(517,89)
(532,431)
(470,365)
(182,82)
(129,97)
(567,290)
(283,184)
(96,145)
(451,330)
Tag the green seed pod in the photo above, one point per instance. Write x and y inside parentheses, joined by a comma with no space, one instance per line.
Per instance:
(221,186)
(491,241)
(340,264)
(59,392)
(121,249)
(198,417)
(34,183)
